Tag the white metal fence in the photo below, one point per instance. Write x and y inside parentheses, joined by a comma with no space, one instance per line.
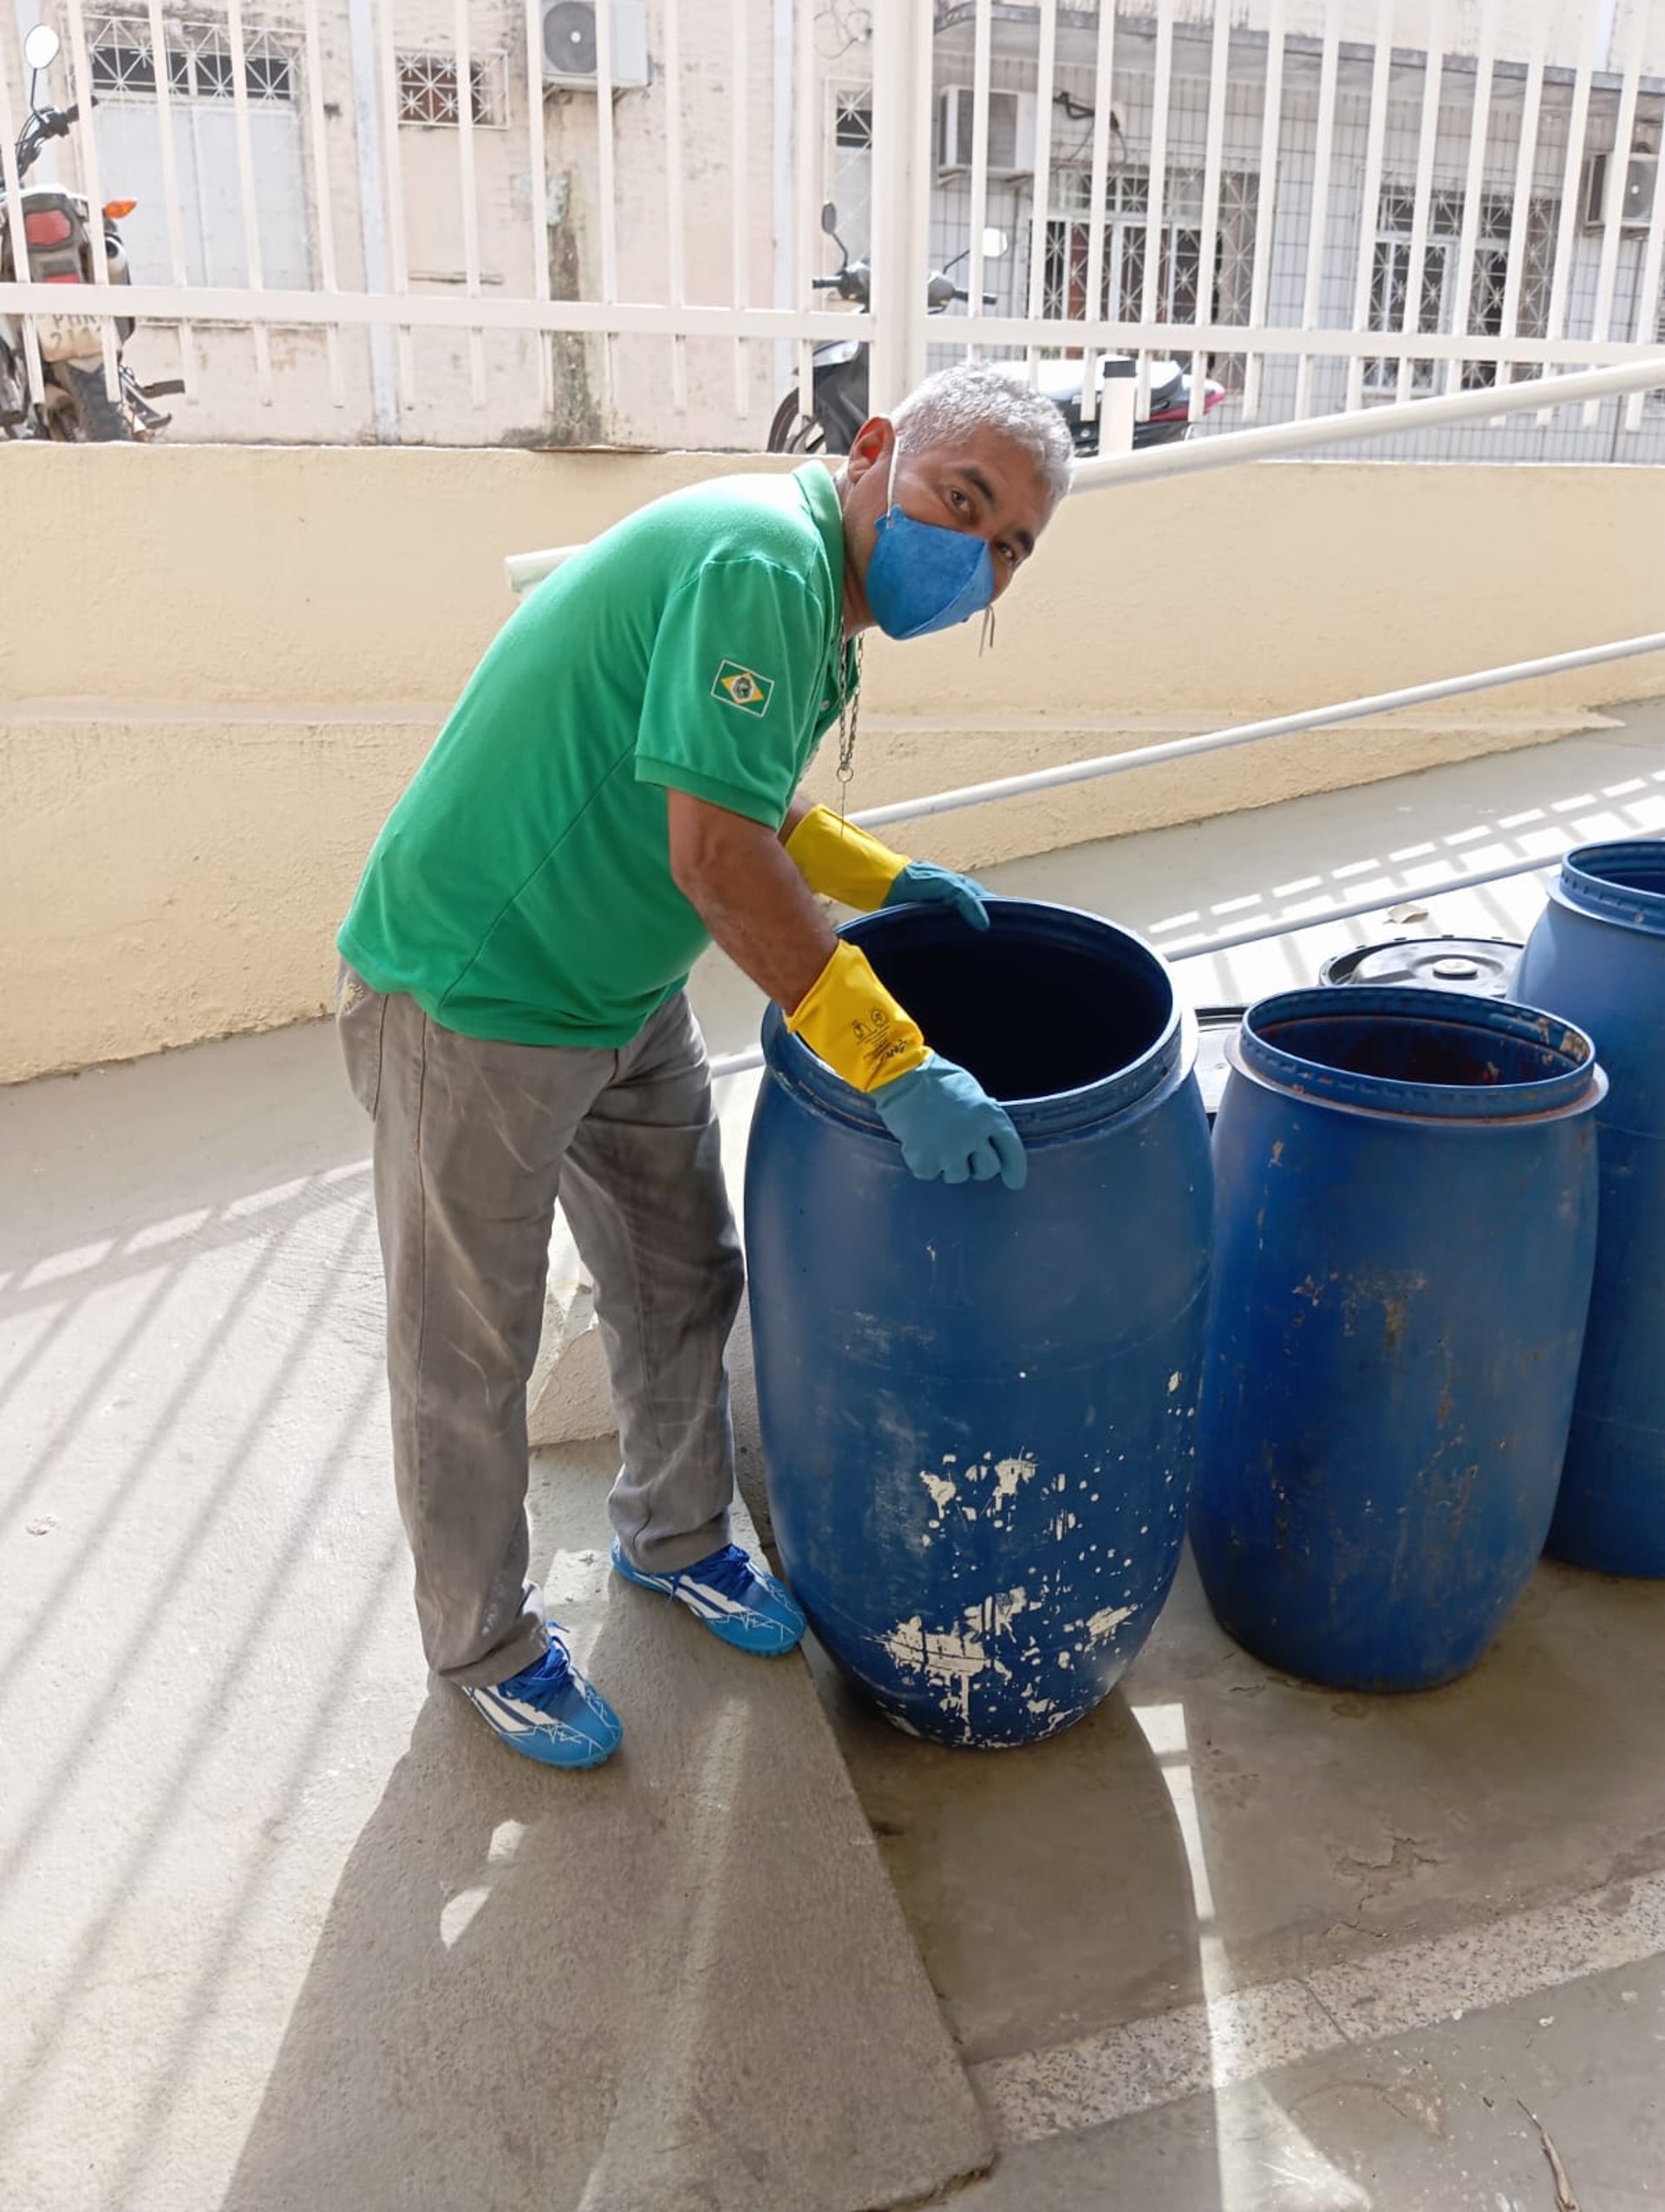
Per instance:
(555,221)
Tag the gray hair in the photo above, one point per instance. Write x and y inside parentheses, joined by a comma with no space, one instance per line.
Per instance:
(978,395)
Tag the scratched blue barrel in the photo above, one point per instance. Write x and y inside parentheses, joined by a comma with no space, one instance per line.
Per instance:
(978,1404)
(1407,1187)
(1598,956)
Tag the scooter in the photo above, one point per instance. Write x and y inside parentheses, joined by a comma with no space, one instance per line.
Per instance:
(839,374)
(58,230)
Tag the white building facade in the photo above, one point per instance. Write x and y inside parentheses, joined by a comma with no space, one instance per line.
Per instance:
(1303,167)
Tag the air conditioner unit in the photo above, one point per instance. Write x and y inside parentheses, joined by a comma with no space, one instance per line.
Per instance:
(1011,131)
(571,44)
(1638,185)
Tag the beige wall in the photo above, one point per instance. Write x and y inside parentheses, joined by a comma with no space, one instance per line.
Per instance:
(220,665)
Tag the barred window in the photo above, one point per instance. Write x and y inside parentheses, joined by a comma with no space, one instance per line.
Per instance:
(1436,308)
(121,59)
(198,60)
(854,120)
(428,89)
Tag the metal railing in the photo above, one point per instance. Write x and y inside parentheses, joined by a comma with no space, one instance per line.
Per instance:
(1274,442)
(1184,749)
(1246,446)
(1164,185)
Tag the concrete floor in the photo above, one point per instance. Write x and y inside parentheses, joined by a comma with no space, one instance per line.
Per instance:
(278,1928)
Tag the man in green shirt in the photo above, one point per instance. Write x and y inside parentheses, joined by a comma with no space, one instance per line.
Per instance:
(616,788)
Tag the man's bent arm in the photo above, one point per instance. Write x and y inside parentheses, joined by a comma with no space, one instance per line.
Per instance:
(736,876)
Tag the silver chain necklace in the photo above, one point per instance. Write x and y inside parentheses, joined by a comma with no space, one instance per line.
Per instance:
(849,717)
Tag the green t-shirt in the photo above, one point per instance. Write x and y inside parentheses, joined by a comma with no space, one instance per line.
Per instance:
(521,888)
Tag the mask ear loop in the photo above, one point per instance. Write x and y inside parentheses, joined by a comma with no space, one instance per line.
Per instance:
(849,694)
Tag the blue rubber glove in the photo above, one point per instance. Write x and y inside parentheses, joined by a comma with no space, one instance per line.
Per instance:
(923,884)
(949,1126)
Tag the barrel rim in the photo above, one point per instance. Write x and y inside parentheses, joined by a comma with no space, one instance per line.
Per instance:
(1582,885)
(1578,1084)
(1053,1113)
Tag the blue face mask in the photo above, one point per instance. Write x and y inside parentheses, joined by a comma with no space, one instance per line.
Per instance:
(922,575)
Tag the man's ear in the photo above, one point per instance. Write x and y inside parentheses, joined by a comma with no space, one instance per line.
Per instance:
(870,446)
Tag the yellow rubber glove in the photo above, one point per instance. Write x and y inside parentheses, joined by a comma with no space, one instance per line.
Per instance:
(848,1018)
(840,861)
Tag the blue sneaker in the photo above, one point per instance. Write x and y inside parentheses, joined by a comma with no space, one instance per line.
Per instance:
(549,1712)
(735,1599)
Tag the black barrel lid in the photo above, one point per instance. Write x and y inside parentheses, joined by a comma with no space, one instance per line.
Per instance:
(1482,966)
(1215,1025)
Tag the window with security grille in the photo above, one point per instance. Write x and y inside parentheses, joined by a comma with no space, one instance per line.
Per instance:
(850,165)
(1489,283)
(198,62)
(428,89)
(1179,288)
(122,61)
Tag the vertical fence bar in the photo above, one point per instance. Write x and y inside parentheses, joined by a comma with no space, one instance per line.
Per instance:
(979,212)
(319,150)
(1618,168)
(1046,63)
(1103,70)
(88,142)
(468,189)
(607,192)
(1213,162)
(1479,123)
(13,184)
(1567,235)
(1369,212)
(740,108)
(1322,161)
(171,176)
(1434,69)
(902,45)
(246,175)
(1160,97)
(1265,206)
(676,220)
(538,186)
(397,254)
(805,227)
(1649,316)
(369,173)
(1520,215)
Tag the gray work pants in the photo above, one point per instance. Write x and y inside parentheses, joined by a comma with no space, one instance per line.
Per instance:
(473,1143)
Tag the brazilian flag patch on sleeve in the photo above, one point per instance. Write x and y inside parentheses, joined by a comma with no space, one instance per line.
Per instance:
(743,688)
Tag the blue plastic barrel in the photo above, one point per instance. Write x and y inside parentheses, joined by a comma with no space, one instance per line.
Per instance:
(1407,1186)
(977,1404)
(1598,956)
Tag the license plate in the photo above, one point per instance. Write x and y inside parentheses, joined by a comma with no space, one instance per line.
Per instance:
(69,337)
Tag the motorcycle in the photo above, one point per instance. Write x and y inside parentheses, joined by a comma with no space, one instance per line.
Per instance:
(58,230)
(839,376)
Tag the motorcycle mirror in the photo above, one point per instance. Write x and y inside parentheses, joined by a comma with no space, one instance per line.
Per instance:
(830,225)
(41,48)
(994,244)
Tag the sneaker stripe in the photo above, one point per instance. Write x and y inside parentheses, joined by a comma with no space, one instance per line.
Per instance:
(712,1602)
